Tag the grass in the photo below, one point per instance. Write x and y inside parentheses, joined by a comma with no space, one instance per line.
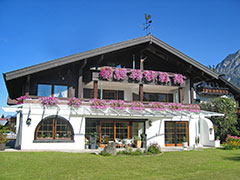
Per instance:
(208,164)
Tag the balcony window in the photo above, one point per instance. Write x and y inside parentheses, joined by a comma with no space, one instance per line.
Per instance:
(44,90)
(107,94)
(52,90)
(60,91)
(159,97)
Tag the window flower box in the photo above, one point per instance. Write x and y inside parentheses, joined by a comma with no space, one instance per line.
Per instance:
(106,73)
(163,77)
(98,104)
(178,79)
(157,106)
(137,106)
(117,104)
(48,101)
(120,74)
(74,102)
(136,74)
(150,76)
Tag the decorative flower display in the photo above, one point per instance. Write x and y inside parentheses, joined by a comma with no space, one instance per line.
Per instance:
(20,99)
(117,104)
(48,101)
(106,73)
(136,74)
(192,107)
(157,106)
(120,74)
(74,102)
(164,77)
(150,75)
(174,106)
(178,79)
(98,103)
(137,106)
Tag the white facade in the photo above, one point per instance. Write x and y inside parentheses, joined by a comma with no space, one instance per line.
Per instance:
(154,126)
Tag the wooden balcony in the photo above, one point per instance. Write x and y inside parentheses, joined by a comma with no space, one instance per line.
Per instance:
(214,91)
(95,76)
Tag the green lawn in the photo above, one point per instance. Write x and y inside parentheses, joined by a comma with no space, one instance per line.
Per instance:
(208,164)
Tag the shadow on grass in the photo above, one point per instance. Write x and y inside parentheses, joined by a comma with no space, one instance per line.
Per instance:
(234,158)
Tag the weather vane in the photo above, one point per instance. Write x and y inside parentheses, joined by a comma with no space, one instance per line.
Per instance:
(147,24)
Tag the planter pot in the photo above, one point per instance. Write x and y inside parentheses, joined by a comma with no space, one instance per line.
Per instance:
(217,143)
(2,147)
(185,144)
(138,144)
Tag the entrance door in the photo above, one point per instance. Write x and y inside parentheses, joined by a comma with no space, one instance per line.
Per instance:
(174,132)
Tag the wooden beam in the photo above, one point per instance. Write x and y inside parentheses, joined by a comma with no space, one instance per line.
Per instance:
(141,92)
(95,89)
(27,86)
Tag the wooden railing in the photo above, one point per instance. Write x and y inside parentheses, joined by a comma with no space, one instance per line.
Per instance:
(213,90)
(238,110)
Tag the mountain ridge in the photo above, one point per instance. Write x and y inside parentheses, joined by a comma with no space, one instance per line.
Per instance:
(230,66)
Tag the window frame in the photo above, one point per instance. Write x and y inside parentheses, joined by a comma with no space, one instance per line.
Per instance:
(52,88)
(54,130)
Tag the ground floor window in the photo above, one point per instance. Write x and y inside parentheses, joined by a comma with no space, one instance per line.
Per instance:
(110,130)
(175,131)
(54,128)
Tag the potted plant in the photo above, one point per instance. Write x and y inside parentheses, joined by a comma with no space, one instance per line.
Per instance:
(137,142)
(184,143)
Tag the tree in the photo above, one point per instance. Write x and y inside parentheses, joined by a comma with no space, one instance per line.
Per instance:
(226,124)
(2,116)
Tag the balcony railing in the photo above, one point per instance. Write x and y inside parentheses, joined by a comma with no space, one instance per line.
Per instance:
(138,76)
(212,91)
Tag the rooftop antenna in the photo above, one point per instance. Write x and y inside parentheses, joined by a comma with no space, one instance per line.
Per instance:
(147,24)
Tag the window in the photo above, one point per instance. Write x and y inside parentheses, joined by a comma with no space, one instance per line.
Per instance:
(52,90)
(44,90)
(160,97)
(54,128)
(107,94)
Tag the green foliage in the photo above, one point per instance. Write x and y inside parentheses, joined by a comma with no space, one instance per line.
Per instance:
(154,148)
(184,139)
(232,143)
(3,131)
(227,124)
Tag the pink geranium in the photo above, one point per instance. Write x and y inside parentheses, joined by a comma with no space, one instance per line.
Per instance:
(136,74)
(120,73)
(150,75)
(48,101)
(137,106)
(164,77)
(98,103)
(117,104)
(106,73)
(74,102)
(178,79)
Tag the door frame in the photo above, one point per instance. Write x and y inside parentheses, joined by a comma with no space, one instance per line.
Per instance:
(187,132)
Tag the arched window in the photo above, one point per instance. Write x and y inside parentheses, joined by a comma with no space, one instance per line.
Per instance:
(54,128)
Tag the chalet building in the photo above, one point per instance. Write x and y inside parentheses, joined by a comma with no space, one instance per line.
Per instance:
(137,88)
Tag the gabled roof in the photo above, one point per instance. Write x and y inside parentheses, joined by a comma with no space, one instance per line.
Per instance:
(106,49)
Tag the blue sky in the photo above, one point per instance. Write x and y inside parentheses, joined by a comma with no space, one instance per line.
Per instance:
(36,31)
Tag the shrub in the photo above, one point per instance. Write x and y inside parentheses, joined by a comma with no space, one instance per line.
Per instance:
(154,148)
(232,142)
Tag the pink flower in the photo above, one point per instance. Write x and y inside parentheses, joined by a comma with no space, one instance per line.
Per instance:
(137,106)
(164,77)
(74,102)
(98,103)
(178,78)
(150,75)
(49,101)
(106,73)
(21,99)
(175,106)
(136,74)
(117,104)
(157,106)
(120,74)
